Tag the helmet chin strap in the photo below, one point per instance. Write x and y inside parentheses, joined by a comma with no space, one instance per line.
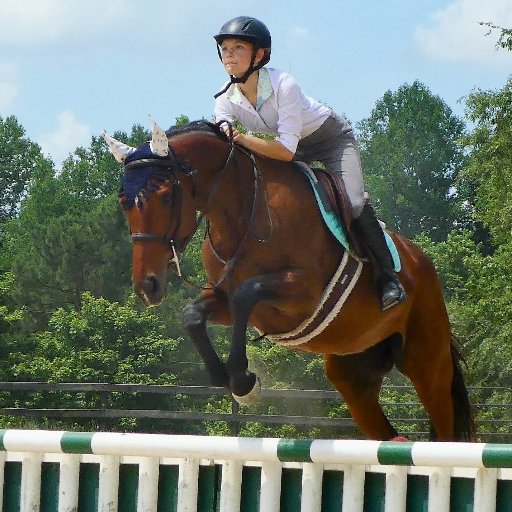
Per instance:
(234,80)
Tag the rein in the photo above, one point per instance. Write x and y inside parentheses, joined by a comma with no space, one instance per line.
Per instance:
(175,166)
(258,180)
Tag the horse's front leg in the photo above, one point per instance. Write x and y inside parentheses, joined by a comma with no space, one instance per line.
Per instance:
(244,384)
(210,306)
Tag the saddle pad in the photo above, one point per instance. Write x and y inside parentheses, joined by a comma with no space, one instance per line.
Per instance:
(335,295)
(333,223)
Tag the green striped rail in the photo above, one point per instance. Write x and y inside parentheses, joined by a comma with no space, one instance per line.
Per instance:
(80,472)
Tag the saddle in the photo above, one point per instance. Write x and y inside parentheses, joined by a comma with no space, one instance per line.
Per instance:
(331,190)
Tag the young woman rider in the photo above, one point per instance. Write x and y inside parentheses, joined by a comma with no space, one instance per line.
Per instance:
(270,101)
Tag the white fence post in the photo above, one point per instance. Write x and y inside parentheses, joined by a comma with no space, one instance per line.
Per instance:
(439,490)
(486,484)
(69,474)
(147,496)
(231,486)
(188,481)
(311,498)
(31,482)
(396,489)
(2,479)
(270,486)
(353,488)
(108,484)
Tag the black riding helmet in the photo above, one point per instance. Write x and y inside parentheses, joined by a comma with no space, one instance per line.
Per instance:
(251,30)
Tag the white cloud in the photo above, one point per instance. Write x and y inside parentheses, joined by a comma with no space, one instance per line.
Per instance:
(300,32)
(69,135)
(455,34)
(8,85)
(74,25)
(300,42)
(42,23)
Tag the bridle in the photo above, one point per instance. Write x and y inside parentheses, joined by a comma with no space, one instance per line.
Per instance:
(176,167)
(171,238)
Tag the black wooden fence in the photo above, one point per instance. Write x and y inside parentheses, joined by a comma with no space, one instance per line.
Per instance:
(492,427)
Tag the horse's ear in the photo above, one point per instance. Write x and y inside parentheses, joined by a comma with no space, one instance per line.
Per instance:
(119,149)
(159,143)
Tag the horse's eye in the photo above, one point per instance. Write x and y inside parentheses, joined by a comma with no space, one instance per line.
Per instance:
(166,199)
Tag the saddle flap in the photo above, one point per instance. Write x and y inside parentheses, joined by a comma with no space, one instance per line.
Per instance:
(334,188)
(331,191)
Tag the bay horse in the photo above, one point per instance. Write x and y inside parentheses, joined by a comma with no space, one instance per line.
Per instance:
(269,257)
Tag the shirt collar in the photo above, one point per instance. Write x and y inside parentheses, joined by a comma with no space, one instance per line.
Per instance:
(235,95)
(264,90)
(264,87)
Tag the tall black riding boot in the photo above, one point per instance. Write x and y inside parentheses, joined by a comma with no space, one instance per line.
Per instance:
(390,289)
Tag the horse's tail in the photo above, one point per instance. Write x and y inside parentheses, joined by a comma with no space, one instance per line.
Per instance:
(464,426)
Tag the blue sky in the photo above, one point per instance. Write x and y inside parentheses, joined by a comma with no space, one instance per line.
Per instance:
(71,68)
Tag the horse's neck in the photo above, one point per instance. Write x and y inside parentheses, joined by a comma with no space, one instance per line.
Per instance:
(230,200)
(222,193)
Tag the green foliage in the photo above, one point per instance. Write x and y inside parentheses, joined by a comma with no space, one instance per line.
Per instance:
(70,235)
(182,119)
(253,429)
(242,129)
(101,341)
(412,420)
(505,39)
(489,171)
(410,159)
(487,318)
(64,255)
(455,259)
(11,317)
(479,293)
(19,157)
(496,418)
(280,367)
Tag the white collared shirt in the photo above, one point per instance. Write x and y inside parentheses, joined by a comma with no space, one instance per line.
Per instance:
(282,108)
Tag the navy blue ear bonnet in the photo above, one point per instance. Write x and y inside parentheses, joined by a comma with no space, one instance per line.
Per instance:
(136,179)
(145,170)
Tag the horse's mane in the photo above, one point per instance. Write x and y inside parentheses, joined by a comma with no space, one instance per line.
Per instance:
(201,126)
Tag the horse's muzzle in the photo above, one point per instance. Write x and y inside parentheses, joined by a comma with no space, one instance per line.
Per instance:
(151,290)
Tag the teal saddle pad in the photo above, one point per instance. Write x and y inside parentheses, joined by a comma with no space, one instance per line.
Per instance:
(335,226)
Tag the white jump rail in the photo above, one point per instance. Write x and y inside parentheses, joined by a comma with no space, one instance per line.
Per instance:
(483,464)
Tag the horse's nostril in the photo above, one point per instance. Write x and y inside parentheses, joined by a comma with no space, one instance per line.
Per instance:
(150,285)
(151,289)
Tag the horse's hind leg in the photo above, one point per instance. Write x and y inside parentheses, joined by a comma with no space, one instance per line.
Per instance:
(432,376)
(431,362)
(358,378)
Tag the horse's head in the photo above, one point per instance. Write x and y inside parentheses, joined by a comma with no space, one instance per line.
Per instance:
(155,195)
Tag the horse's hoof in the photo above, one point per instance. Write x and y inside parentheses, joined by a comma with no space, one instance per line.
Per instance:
(252,397)
(399,439)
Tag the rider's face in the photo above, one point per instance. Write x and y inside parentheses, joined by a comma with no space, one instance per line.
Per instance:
(236,56)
